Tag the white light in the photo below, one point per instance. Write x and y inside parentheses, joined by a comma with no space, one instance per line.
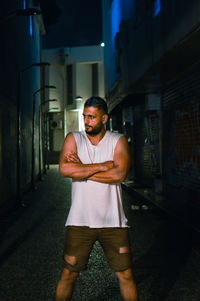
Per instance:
(79,98)
(102,44)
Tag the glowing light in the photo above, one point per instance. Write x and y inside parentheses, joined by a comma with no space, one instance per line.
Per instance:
(24,4)
(31,26)
(157,7)
(121,9)
(102,44)
(116,18)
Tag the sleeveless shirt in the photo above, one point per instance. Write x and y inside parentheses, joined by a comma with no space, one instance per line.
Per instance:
(96,204)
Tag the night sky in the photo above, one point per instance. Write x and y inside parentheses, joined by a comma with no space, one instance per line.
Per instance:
(72,23)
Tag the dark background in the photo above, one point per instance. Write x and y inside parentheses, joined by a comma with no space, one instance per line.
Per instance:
(71,23)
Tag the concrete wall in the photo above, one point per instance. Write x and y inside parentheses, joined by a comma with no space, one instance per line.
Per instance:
(57,79)
(101,80)
(83,77)
(18,51)
(81,59)
(142,38)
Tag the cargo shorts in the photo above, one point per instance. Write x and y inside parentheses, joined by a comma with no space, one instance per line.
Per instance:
(79,241)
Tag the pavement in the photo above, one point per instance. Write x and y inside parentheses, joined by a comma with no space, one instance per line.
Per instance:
(166,253)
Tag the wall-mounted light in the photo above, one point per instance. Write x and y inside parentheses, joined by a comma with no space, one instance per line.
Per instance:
(48,100)
(19,79)
(78,98)
(21,12)
(102,44)
(44,87)
(28,12)
(33,133)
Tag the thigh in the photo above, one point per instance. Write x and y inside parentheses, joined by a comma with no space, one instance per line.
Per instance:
(117,248)
(77,248)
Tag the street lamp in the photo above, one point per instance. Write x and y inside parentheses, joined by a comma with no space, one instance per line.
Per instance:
(44,137)
(33,132)
(39,64)
(78,98)
(21,12)
(18,161)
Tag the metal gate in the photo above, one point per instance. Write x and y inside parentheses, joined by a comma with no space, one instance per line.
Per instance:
(181,139)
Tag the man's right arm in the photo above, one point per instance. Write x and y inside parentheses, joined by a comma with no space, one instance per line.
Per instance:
(70,165)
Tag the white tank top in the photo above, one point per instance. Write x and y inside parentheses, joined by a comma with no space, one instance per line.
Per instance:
(95,204)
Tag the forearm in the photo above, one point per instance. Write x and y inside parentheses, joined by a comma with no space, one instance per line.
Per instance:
(113,175)
(79,170)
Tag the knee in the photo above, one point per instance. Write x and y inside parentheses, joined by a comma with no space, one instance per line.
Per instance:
(125,276)
(70,259)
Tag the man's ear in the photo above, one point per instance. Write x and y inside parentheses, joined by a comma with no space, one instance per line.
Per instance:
(104,118)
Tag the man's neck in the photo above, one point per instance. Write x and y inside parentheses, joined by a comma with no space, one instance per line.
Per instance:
(95,139)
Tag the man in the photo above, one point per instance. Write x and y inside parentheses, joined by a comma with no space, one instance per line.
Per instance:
(97,161)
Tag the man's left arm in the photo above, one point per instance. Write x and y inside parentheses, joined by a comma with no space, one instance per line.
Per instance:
(122,163)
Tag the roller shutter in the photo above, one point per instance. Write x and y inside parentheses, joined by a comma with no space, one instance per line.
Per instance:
(181,139)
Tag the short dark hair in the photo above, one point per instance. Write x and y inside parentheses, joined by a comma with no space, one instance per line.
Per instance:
(98,102)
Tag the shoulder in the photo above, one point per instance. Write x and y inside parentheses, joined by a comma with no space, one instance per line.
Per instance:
(78,137)
(74,135)
(79,134)
(115,136)
(69,144)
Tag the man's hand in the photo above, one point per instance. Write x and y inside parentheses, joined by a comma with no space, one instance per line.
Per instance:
(73,157)
(107,165)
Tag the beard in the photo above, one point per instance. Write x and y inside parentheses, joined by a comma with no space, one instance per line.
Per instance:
(92,131)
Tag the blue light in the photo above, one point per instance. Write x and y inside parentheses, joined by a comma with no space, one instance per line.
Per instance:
(157,7)
(116,18)
(24,4)
(31,26)
(121,9)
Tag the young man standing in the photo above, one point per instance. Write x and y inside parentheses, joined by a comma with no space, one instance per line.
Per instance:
(97,161)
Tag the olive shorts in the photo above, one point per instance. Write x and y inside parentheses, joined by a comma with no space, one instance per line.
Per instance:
(114,241)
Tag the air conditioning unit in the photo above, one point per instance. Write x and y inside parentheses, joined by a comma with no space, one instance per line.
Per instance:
(56,124)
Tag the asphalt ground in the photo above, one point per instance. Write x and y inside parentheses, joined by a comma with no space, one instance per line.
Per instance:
(166,255)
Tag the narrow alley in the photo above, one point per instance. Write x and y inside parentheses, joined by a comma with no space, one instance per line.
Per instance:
(166,258)
(140,63)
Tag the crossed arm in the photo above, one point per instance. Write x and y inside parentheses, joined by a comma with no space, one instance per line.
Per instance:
(106,172)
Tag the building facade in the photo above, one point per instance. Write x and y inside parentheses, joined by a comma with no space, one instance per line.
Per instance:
(78,72)
(152,86)
(21,29)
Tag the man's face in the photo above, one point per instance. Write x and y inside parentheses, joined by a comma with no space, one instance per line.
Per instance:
(94,120)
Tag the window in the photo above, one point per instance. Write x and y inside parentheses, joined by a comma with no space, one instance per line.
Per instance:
(69,85)
(95,89)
